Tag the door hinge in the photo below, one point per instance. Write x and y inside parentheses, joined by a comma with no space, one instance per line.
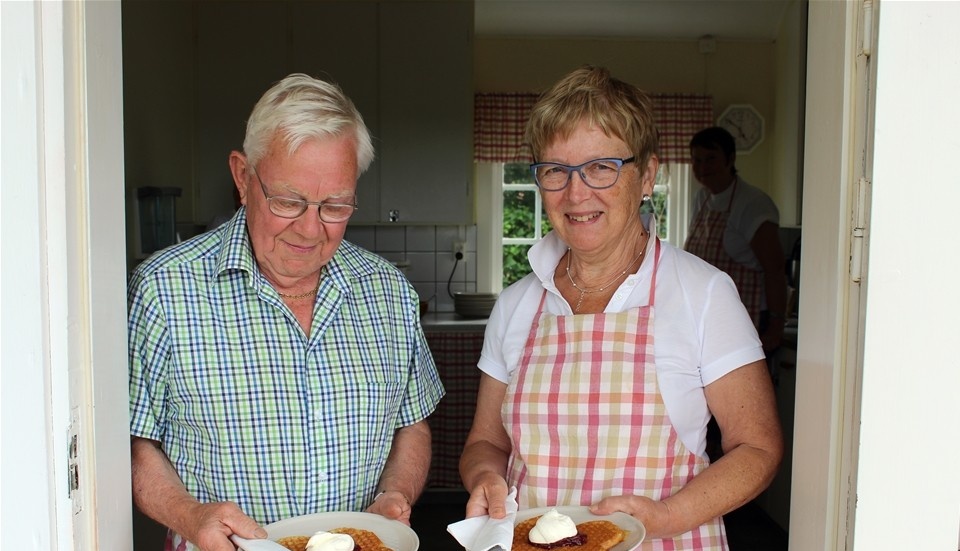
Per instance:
(73,462)
(866,44)
(859,231)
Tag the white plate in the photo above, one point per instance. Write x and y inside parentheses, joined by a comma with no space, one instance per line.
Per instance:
(395,534)
(635,532)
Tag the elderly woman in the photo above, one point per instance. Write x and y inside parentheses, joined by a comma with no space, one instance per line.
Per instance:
(603,366)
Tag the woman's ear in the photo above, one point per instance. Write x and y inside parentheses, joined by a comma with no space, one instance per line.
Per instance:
(238,169)
(649,176)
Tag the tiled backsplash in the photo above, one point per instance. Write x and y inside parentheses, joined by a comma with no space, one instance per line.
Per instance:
(429,252)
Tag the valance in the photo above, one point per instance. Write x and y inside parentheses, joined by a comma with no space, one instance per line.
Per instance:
(499,120)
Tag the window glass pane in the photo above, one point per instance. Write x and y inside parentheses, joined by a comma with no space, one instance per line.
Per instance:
(518,211)
(517,173)
(515,264)
(660,200)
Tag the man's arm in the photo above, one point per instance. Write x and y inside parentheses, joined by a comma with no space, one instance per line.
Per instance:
(405,473)
(160,494)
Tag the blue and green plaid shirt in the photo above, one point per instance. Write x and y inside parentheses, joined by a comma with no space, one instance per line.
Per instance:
(249,408)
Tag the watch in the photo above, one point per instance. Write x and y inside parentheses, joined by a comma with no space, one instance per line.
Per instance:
(745,124)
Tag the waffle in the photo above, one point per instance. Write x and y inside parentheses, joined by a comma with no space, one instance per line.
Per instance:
(601,536)
(364,540)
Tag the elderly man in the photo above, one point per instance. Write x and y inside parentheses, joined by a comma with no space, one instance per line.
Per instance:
(275,369)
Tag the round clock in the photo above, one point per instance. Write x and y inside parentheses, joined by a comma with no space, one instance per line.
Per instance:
(745,124)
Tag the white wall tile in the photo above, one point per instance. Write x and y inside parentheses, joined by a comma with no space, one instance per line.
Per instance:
(422,267)
(421,238)
(391,238)
(362,236)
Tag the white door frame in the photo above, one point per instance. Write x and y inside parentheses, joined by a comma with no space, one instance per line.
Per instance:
(65,461)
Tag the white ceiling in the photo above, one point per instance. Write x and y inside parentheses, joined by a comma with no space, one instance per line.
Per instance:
(639,19)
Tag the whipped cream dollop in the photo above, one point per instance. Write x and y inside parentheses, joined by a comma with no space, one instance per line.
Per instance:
(327,541)
(552,527)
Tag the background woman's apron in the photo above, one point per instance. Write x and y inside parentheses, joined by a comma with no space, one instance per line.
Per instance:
(706,241)
(587,420)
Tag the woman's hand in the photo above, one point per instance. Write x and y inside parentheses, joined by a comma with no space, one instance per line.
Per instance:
(654,515)
(488,497)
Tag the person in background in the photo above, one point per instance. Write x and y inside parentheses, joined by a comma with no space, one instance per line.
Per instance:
(601,368)
(735,227)
(275,369)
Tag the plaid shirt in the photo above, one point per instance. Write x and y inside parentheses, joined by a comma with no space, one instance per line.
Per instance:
(251,409)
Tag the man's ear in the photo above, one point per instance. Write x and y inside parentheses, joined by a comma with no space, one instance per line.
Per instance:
(238,169)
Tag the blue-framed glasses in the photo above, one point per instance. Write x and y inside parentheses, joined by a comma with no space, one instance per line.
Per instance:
(598,173)
(293,207)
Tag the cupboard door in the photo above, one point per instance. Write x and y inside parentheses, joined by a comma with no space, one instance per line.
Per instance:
(426,112)
(239,56)
(337,41)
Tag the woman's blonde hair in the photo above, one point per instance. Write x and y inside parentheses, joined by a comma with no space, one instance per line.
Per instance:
(589,93)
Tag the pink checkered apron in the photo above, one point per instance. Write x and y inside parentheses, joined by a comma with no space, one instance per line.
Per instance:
(706,241)
(587,421)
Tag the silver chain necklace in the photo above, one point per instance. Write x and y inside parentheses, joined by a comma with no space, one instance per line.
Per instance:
(603,287)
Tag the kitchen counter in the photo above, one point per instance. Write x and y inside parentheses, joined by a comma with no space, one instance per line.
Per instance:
(451,321)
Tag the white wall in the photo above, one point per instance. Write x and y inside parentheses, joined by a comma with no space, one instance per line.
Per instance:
(876,446)
(908,491)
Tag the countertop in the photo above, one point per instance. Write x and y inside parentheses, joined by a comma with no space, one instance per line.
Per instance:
(450,321)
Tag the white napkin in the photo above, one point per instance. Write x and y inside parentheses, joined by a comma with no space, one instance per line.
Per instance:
(484,533)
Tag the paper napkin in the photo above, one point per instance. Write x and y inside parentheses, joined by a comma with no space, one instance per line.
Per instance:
(487,534)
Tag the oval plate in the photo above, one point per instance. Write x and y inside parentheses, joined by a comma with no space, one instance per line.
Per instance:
(635,532)
(395,534)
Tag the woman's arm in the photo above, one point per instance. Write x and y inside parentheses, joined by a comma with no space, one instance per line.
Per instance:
(744,405)
(483,464)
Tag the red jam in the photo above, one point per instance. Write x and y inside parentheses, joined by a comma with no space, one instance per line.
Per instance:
(572,541)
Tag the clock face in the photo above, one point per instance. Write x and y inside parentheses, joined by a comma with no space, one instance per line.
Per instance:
(745,124)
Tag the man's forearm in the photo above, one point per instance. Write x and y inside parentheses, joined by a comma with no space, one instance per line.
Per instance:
(409,462)
(157,489)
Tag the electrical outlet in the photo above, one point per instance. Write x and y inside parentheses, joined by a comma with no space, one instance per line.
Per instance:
(458,247)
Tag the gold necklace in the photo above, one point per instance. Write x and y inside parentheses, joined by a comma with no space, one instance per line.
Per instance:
(604,286)
(303,295)
(308,293)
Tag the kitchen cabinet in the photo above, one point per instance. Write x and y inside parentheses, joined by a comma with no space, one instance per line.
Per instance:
(426,108)
(339,41)
(407,65)
(456,352)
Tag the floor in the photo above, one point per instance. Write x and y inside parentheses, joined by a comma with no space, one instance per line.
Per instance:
(748,528)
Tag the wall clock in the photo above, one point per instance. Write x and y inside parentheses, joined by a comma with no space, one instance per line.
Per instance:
(745,124)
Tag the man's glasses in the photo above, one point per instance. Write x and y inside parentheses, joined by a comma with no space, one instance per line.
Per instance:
(598,173)
(292,207)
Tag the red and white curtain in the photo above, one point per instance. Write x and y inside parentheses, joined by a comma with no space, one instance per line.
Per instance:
(499,120)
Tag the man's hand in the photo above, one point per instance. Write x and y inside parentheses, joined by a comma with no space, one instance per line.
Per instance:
(213,523)
(393,505)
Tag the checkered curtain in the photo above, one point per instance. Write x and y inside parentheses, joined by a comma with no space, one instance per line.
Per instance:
(499,119)
(679,117)
(498,124)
